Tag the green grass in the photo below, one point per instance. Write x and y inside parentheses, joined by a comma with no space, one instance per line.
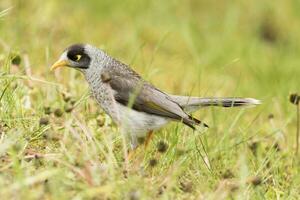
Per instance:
(203,48)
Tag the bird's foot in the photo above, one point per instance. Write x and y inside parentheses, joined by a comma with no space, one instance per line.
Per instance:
(132,154)
(148,139)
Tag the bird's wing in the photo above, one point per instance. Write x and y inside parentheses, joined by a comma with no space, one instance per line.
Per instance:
(132,91)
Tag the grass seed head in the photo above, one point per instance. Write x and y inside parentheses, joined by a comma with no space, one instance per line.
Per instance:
(162,146)
(44,121)
(58,112)
(125,173)
(73,101)
(47,110)
(276,146)
(16,60)
(186,186)
(227,174)
(100,120)
(253,146)
(68,108)
(153,162)
(37,162)
(161,189)
(66,96)
(269,31)
(271,116)
(255,180)
(51,136)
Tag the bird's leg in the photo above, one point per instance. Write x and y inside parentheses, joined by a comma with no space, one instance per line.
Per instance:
(132,152)
(133,148)
(148,138)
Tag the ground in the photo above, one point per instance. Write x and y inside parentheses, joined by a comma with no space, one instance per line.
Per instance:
(56,143)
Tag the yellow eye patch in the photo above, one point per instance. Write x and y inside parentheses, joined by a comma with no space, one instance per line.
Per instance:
(78,57)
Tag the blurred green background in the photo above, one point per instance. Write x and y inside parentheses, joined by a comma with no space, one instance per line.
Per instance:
(208,47)
(193,47)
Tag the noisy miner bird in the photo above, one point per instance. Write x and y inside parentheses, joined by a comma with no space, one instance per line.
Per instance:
(134,104)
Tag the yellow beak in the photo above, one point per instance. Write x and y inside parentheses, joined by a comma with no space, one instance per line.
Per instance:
(58,64)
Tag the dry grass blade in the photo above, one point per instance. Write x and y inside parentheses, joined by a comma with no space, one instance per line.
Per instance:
(5,12)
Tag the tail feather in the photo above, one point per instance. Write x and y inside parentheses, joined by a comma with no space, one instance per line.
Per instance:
(191,121)
(191,104)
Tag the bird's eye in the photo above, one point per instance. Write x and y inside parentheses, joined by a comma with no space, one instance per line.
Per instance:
(77,57)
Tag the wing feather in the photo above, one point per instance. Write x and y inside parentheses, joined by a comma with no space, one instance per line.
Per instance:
(131,90)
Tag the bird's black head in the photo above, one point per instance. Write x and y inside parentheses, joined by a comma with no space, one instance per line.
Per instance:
(74,56)
(77,56)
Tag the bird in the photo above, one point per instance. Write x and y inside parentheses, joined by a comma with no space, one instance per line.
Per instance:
(134,104)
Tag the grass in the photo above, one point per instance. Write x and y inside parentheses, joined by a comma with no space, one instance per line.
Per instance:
(56,143)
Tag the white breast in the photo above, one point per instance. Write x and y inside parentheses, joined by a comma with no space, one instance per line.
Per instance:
(139,123)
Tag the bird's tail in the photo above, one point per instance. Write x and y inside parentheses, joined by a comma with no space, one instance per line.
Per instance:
(191,104)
